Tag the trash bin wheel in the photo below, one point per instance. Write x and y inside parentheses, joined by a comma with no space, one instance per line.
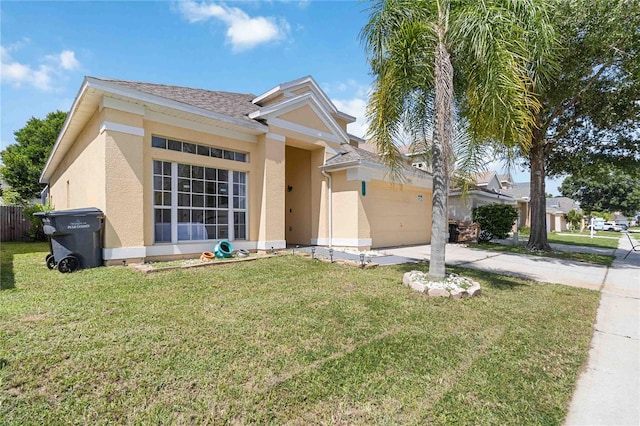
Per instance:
(68,264)
(51,262)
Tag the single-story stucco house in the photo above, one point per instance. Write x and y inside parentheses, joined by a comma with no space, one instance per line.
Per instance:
(177,169)
(487,189)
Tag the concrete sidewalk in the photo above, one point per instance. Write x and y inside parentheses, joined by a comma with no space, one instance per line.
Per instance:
(608,390)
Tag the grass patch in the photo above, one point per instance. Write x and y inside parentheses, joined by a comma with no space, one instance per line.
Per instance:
(594,258)
(283,340)
(601,239)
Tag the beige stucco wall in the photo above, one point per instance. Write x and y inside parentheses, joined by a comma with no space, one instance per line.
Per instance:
(79,180)
(270,177)
(346,206)
(305,116)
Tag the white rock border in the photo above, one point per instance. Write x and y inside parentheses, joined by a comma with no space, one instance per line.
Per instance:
(453,285)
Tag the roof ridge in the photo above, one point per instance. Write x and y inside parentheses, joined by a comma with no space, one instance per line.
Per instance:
(117,80)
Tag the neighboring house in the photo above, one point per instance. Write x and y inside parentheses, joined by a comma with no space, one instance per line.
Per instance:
(520,193)
(177,169)
(557,209)
(487,189)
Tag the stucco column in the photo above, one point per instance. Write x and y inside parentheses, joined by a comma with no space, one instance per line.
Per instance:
(271,227)
(124,183)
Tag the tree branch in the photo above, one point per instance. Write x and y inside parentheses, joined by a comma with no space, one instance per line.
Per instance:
(563,107)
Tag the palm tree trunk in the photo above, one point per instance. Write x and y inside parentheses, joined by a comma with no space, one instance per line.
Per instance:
(538,238)
(442,135)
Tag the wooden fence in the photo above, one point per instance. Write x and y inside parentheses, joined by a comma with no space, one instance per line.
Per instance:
(13,225)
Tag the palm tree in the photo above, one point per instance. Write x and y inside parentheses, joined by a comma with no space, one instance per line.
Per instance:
(434,60)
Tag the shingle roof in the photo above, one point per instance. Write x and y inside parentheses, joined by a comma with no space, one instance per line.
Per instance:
(519,190)
(563,204)
(349,154)
(236,105)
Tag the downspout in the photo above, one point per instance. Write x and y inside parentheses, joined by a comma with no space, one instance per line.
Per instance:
(330,207)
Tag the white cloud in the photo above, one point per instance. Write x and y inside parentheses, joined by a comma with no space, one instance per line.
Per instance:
(68,60)
(243,31)
(38,76)
(356,107)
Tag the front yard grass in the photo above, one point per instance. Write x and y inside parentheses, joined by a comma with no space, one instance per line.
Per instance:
(602,239)
(594,258)
(282,340)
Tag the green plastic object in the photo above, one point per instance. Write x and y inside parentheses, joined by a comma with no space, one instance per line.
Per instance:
(223,249)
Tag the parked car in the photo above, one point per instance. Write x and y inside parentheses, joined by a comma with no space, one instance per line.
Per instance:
(611,226)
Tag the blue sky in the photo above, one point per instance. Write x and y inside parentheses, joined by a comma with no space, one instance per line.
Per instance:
(243,46)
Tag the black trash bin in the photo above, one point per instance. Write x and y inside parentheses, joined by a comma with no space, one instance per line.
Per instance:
(75,238)
(454,232)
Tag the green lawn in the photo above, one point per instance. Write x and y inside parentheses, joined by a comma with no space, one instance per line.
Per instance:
(605,240)
(282,340)
(602,239)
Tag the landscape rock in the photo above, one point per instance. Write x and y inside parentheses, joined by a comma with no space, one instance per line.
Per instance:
(438,292)
(418,286)
(453,285)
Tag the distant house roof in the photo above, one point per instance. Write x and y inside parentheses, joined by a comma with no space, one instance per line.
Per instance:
(519,191)
(562,204)
(236,105)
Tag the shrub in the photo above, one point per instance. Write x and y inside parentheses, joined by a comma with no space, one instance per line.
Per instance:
(35,232)
(574,218)
(495,220)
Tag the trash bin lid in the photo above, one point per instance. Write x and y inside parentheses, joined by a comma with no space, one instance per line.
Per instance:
(87,211)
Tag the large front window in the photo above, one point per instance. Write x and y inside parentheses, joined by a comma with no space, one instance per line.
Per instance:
(194,203)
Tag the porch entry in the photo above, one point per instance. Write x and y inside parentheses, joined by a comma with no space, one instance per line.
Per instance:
(297,201)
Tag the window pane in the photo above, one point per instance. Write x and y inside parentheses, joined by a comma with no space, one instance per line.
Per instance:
(166,166)
(157,198)
(184,216)
(210,201)
(184,170)
(223,232)
(211,232)
(228,155)
(189,148)
(223,175)
(157,167)
(175,145)
(197,216)
(223,217)
(197,201)
(162,225)
(203,150)
(167,199)
(238,203)
(157,182)
(241,157)
(184,185)
(216,152)
(209,188)
(184,200)
(184,232)
(223,188)
(239,177)
(197,172)
(197,186)
(210,217)
(157,142)
(223,202)
(166,185)
(210,174)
